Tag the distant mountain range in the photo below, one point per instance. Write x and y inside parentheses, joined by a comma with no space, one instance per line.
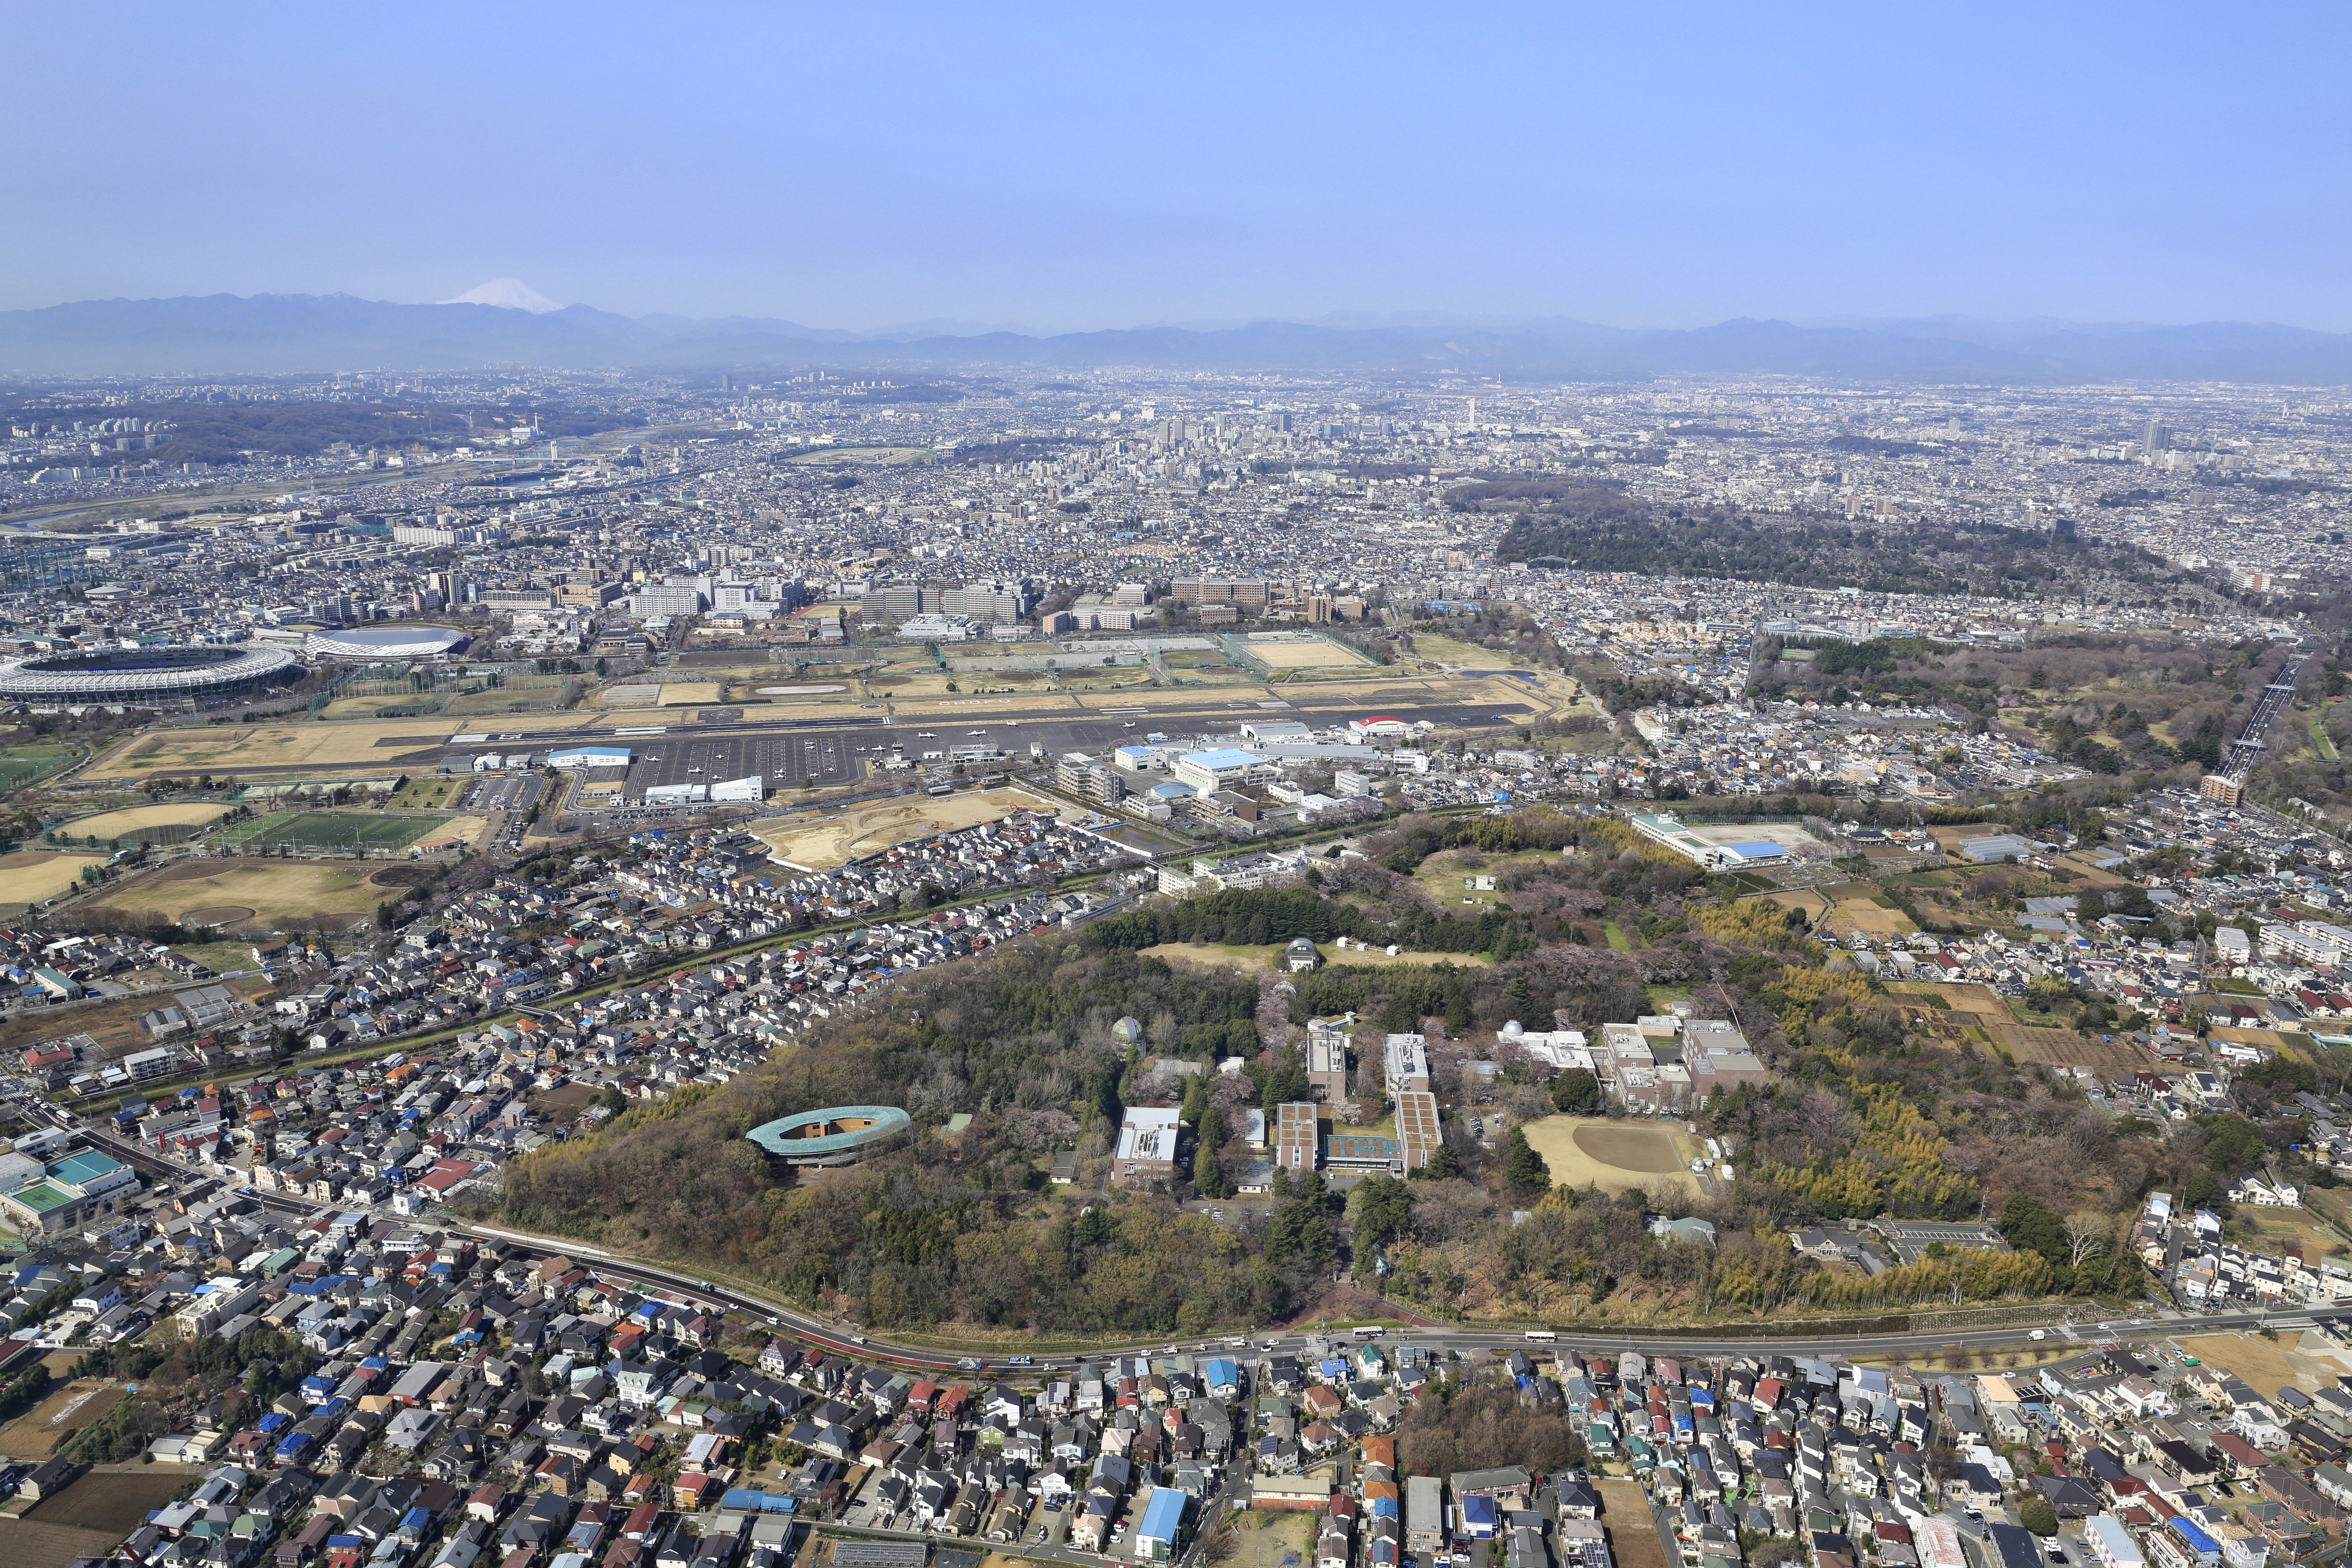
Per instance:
(283,333)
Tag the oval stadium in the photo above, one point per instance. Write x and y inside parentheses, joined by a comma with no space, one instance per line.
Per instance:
(144,674)
(838,1135)
(383,642)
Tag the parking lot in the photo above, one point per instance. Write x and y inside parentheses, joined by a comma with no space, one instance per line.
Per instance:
(825,757)
(495,791)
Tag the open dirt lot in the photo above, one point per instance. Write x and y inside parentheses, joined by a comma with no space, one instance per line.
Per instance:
(1615,1155)
(36,1434)
(1277,651)
(273,891)
(107,825)
(31,875)
(2267,1366)
(27,1544)
(2279,1227)
(1632,1536)
(821,840)
(1849,907)
(115,1501)
(1272,1540)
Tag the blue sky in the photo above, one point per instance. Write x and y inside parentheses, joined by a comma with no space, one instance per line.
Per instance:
(1111,165)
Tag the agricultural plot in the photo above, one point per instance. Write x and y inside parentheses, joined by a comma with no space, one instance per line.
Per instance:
(37,1434)
(322,831)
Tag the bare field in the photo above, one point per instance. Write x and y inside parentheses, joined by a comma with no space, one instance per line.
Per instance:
(37,1432)
(2265,1364)
(109,824)
(113,1501)
(822,840)
(28,875)
(1632,1537)
(271,890)
(28,1543)
(1615,1155)
(1277,650)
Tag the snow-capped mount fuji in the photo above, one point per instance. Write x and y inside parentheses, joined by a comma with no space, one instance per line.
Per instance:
(508,294)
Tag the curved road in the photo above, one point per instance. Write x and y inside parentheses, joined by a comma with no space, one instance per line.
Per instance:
(834,1336)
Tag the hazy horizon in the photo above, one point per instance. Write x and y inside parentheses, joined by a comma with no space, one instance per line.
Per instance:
(1073,169)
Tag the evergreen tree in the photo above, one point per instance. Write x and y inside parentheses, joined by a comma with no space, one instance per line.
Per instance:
(1523,1168)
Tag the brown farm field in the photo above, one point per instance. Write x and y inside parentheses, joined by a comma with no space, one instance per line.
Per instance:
(28,875)
(37,1432)
(28,1544)
(1632,1535)
(267,892)
(114,1502)
(1592,1151)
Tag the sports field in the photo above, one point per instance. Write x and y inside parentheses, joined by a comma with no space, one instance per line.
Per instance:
(325,830)
(18,763)
(113,823)
(254,894)
(1585,1150)
(821,840)
(31,875)
(1289,650)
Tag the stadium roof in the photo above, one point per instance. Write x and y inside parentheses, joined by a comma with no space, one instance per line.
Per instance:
(401,641)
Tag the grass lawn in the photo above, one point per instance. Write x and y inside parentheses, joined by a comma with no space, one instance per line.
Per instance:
(2320,741)
(19,764)
(425,794)
(336,830)
(1617,938)
(1442,874)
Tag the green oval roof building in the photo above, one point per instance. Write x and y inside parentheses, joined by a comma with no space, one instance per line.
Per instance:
(834,1136)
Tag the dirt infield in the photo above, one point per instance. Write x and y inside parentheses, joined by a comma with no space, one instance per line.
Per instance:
(64,1412)
(1590,1150)
(821,841)
(1277,652)
(1629,1148)
(110,824)
(275,890)
(31,875)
